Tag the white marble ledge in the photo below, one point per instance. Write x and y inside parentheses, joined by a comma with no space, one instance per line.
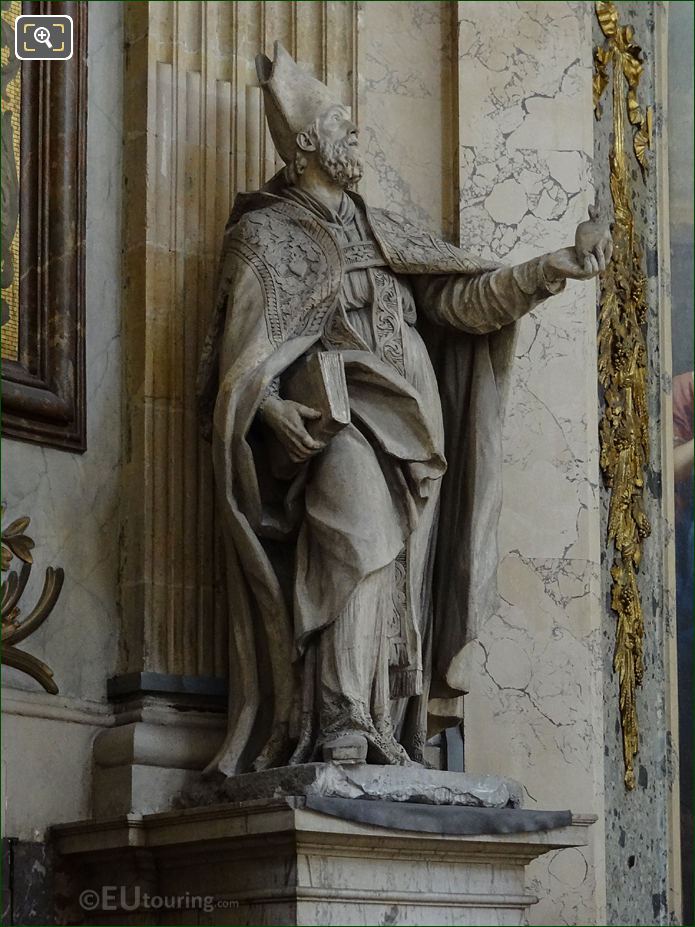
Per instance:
(259,816)
(28,704)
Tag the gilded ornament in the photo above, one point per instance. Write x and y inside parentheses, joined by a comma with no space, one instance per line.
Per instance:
(622,368)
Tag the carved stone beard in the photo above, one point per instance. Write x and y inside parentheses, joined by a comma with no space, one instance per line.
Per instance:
(341,161)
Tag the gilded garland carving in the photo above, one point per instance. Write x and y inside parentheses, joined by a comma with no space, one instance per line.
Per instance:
(622,367)
(15,543)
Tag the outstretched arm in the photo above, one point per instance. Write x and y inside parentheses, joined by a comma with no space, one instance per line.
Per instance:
(487,302)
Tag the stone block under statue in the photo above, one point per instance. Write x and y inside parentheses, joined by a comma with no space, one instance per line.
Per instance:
(320,843)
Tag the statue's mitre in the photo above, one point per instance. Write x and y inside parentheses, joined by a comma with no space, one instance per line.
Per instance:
(293,98)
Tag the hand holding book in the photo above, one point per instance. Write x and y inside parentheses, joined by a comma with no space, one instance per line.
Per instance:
(316,408)
(287,420)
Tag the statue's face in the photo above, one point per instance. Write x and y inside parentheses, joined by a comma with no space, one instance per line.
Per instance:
(337,146)
(335,127)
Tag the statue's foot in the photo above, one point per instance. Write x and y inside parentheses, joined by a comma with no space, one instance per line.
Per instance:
(354,747)
(359,738)
(348,749)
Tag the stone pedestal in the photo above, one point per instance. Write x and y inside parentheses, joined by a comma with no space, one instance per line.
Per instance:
(165,730)
(281,862)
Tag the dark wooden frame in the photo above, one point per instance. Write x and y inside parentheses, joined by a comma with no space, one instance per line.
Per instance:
(43,392)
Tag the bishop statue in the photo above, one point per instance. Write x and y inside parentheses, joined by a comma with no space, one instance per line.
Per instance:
(361,557)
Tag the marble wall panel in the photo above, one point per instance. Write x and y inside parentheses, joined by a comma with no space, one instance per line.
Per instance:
(525,158)
(46,767)
(406,100)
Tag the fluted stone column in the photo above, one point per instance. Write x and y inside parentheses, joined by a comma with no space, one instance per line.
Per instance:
(194,136)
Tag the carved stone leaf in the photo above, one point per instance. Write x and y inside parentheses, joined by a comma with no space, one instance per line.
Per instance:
(21,546)
(18,526)
(15,542)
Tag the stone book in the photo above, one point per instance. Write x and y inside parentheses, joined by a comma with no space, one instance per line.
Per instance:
(319,382)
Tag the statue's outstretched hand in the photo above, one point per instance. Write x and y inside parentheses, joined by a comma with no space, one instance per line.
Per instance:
(286,418)
(593,247)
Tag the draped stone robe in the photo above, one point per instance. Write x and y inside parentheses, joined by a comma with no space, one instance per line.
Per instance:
(354,581)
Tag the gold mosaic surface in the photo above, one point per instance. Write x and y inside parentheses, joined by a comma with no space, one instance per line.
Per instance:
(11,101)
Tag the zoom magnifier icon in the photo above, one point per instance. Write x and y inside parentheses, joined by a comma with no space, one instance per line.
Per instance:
(42,37)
